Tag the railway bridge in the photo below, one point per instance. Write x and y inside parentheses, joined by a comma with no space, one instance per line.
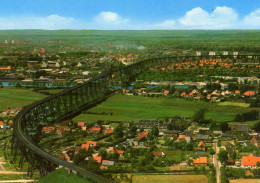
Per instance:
(29,122)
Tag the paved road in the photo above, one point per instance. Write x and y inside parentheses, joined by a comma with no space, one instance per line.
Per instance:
(216,162)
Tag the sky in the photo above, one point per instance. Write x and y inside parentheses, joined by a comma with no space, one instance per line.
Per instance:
(129,14)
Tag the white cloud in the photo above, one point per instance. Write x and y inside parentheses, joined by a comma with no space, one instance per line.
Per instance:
(107,17)
(167,24)
(33,22)
(220,18)
(253,19)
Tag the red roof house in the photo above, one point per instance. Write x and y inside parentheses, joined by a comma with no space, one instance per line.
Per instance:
(94,130)
(143,134)
(98,158)
(158,153)
(201,160)
(166,92)
(108,131)
(81,124)
(249,93)
(89,144)
(254,141)
(250,161)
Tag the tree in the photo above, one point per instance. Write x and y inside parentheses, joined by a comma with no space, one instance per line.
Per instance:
(92,166)
(118,132)
(154,132)
(223,156)
(133,130)
(224,126)
(211,151)
(199,115)
(238,118)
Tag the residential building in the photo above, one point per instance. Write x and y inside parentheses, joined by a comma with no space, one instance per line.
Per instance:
(250,161)
(200,160)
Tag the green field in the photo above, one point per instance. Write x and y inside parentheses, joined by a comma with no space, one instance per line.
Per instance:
(133,108)
(170,178)
(17,97)
(62,176)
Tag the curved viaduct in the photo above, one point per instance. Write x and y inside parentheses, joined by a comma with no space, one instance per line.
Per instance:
(29,122)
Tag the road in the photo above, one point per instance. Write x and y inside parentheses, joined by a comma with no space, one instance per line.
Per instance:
(216,163)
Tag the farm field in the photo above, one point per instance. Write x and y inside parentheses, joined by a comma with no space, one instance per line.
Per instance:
(17,97)
(133,108)
(170,178)
(239,104)
(245,181)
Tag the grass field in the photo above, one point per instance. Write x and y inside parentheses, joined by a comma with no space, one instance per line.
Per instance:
(61,176)
(170,178)
(17,97)
(245,181)
(134,108)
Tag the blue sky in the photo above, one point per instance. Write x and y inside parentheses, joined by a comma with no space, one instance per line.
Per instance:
(130,14)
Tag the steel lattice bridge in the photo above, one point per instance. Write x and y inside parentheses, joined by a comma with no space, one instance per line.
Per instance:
(29,122)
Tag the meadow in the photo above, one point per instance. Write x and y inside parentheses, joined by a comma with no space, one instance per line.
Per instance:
(61,175)
(17,97)
(134,108)
(170,178)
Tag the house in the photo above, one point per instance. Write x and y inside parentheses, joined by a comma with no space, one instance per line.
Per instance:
(67,158)
(172,133)
(149,124)
(239,128)
(254,141)
(250,161)
(108,163)
(200,161)
(217,132)
(181,137)
(81,124)
(108,131)
(237,92)
(158,153)
(203,137)
(98,158)
(183,94)
(166,92)
(200,153)
(6,69)
(202,145)
(143,134)
(2,124)
(128,143)
(249,93)
(120,152)
(61,129)
(94,130)
(48,129)
(89,144)
(209,96)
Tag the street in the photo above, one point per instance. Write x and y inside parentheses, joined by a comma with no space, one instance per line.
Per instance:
(216,163)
